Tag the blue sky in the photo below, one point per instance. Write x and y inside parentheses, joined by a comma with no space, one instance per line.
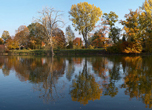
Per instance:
(21,12)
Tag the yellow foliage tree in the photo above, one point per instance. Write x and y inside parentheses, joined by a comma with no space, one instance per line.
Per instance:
(12,43)
(1,41)
(147,23)
(132,29)
(84,18)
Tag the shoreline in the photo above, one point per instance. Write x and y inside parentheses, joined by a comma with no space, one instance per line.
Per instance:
(72,52)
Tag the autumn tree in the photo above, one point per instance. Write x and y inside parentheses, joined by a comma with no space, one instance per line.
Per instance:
(58,39)
(12,43)
(36,34)
(1,41)
(22,36)
(51,20)
(84,17)
(77,42)
(111,19)
(133,31)
(5,35)
(147,7)
(99,38)
(147,24)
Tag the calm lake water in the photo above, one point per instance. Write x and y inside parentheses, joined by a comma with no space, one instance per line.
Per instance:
(72,83)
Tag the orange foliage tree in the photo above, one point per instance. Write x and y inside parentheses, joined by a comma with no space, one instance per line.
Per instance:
(58,39)
(99,38)
(1,41)
(77,42)
(22,35)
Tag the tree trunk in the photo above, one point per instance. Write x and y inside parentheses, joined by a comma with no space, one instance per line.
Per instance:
(86,41)
(51,44)
(86,44)
(52,51)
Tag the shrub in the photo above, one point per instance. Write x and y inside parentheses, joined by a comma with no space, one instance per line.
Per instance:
(76,47)
(125,47)
(91,47)
(133,47)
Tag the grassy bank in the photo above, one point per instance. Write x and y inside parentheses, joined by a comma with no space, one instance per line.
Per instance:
(42,52)
(65,52)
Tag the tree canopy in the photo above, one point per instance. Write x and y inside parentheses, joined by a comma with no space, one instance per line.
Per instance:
(84,17)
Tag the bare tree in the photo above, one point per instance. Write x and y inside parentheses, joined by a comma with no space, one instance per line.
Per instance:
(51,20)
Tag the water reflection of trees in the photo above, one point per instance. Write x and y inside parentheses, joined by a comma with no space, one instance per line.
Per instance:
(110,74)
(46,77)
(114,75)
(70,68)
(88,85)
(84,87)
(100,67)
(45,72)
(138,79)
(42,72)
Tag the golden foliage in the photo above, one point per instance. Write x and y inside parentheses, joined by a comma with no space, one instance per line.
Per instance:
(1,41)
(12,43)
(133,48)
(84,17)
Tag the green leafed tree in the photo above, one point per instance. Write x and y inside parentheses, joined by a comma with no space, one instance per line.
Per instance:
(36,34)
(5,35)
(111,19)
(84,17)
